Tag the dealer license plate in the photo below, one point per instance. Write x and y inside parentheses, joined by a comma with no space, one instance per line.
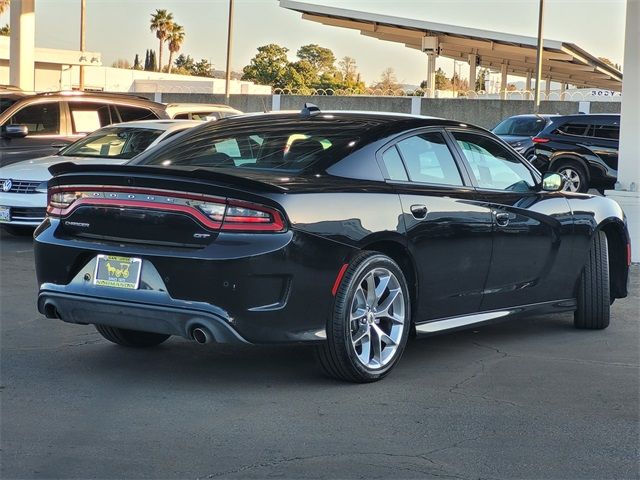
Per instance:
(119,272)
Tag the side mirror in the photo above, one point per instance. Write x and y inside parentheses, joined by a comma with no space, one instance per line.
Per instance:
(15,131)
(552,182)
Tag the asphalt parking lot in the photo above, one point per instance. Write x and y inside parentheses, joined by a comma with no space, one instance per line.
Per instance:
(532,398)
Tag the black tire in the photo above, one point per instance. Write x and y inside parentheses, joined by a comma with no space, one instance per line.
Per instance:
(131,338)
(594,300)
(337,356)
(19,230)
(565,166)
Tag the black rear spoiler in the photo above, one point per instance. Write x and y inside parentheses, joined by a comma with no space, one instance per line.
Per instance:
(195,173)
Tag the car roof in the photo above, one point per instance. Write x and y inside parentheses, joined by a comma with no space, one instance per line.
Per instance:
(157,124)
(174,108)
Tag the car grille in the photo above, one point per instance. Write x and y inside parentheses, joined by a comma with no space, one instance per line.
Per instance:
(20,214)
(22,186)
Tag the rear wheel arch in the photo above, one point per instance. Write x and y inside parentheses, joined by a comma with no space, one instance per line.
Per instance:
(563,159)
(399,254)
(617,248)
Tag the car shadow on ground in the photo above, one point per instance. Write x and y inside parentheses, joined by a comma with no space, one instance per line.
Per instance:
(186,364)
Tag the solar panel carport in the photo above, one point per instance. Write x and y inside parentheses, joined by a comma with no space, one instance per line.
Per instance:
(565,63)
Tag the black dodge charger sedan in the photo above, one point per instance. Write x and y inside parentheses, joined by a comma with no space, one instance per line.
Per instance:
(348,230)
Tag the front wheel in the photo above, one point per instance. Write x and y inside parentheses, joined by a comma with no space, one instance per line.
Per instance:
(370,324)
(131,338)
(594,301)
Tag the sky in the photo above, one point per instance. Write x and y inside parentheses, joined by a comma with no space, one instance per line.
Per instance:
(120,28)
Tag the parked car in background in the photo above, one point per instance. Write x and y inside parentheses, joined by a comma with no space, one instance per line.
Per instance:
(519,130)
(367,227)
(35,125)
(23,185)
(583,148)
(200,111)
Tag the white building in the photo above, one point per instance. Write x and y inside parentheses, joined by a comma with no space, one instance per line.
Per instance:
(56,69)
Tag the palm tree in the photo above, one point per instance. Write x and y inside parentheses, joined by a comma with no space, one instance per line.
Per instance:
(175,39)
(161,23)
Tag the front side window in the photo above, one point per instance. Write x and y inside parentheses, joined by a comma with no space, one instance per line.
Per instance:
(429,160)
(492,165)
(40,118)
(113,142)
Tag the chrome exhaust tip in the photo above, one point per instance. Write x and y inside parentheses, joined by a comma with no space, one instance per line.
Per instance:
(201,335)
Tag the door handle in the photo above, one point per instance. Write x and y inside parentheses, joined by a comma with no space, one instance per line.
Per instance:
(502,219)
(419,212)
(59,145)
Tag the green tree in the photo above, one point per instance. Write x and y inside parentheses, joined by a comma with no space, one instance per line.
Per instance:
(5,31)
(153,63)
(321,59)
(184,64)
(136,63)
(161,23)
(388,81)
(203,68)
(442,82)
(175,39)
(269,66)
(121,63)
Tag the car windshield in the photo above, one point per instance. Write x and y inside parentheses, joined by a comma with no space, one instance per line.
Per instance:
(113,142)
(278,144)
(520,126)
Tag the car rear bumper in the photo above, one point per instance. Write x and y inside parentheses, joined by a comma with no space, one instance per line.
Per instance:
(273,288)
(180,320)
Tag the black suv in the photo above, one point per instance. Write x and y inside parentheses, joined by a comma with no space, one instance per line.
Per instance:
(38,125)
(584,148)
(519,130)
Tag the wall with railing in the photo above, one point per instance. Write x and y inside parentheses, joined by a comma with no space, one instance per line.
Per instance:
(485,113)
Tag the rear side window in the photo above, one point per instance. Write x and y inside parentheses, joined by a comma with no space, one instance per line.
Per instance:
(573,128)
(130,114)
(612,132)
(429,160)
(40,118)
(393,165)
(88,116)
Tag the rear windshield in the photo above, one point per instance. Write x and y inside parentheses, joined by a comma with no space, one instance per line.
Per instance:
(521,126)
(113,142)
(278,144)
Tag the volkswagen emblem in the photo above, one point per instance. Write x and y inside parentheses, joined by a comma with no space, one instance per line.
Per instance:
(6,185)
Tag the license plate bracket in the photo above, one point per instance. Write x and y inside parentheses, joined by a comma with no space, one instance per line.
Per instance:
(118,272)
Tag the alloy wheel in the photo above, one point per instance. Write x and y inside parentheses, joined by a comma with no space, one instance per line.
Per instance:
(572,182)
(377,318)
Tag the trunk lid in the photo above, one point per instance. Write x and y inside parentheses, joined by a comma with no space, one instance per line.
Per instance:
(159,206)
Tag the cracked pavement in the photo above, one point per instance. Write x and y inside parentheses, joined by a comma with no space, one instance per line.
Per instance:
(530,398)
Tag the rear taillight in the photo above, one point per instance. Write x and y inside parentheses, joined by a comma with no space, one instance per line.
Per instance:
(539,140)
(214,212)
